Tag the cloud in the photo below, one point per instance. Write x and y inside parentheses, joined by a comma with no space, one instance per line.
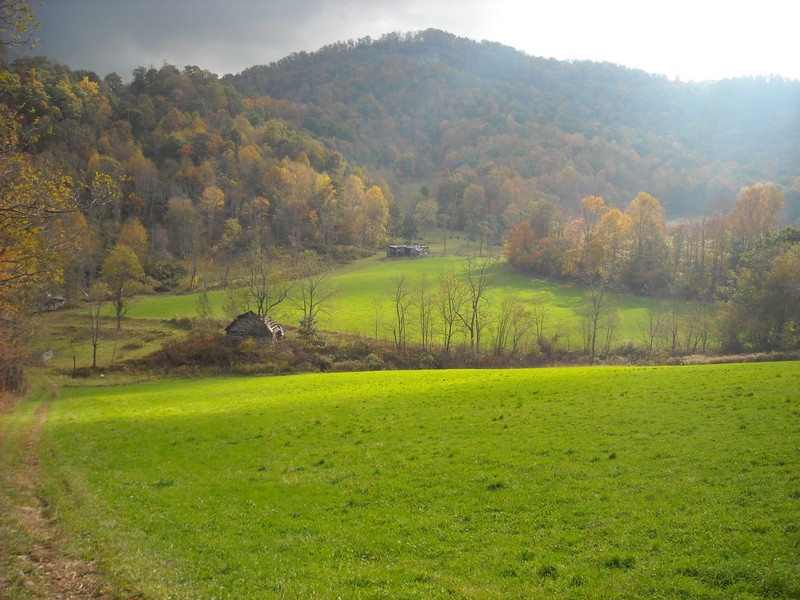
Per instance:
(692,39)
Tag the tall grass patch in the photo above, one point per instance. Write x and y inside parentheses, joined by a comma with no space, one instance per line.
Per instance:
(583,482)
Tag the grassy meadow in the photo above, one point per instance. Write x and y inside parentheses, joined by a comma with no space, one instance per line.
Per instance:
(363,305)
(659,482)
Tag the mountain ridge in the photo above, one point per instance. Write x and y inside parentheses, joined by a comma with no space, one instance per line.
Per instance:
(408,91)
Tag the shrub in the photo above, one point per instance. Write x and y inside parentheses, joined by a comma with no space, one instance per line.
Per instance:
(167,276)
(195,350)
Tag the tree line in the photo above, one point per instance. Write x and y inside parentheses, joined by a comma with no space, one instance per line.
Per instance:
(710,259)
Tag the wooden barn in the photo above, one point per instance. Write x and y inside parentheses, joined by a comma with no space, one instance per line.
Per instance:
(54,302)
(406,251)
(249,326)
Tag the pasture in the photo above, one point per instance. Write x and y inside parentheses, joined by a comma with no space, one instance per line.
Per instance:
(574,483)
(363,306)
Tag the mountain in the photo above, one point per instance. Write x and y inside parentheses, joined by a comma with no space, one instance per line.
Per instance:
(429,105)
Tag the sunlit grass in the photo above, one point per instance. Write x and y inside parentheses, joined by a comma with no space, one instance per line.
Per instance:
(584,482)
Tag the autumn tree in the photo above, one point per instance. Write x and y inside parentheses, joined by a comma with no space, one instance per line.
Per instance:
(520,245)
(103,203)
(326,211)
(33,200)
(185,226)
(373,218)
(425,213)
(123,274)
(449,196)
(17,24)
(592,210)
(757,212)
(182,221)
(212,201)
(645,268)
(290,187)
(134,235)
(518,197)
(475,214)
(763,311)
(35,242)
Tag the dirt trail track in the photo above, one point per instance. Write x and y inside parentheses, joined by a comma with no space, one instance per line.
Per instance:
(33,562)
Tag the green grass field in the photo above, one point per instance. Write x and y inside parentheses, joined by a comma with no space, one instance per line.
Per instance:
(362,305)
(668,482)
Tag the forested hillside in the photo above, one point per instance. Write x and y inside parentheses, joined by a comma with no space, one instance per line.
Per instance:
(431,105)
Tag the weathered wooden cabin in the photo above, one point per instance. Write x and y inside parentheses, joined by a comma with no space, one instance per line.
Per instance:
(406,251)
(54,302)
(249,326)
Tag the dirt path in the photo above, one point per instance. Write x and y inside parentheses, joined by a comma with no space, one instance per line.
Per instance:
(31,547)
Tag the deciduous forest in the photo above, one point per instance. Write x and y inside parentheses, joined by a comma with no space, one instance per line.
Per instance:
(592,173)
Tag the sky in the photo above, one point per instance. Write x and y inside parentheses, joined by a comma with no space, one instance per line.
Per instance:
(690,40)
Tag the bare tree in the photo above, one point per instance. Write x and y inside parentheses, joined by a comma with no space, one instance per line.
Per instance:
(425,309)
(538,316)
(650,327)
(376,308)
(265,283)
(450,300)
(313,292)
(95,295)
(401,300)
(595,313)
(475,272)
(610,323)
(698,325)
(674,323)
(502,325)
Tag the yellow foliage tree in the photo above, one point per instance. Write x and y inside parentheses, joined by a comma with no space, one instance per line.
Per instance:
(757,211)
(134,235)
(123,274)
(212,201)
(34,241)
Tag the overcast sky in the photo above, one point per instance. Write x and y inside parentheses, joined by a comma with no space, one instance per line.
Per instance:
(690,39)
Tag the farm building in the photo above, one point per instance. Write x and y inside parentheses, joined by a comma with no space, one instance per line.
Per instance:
(250,326)
(54,302)
(406,250)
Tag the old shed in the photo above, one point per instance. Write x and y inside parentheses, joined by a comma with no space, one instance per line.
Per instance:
(249,326)
(406,250)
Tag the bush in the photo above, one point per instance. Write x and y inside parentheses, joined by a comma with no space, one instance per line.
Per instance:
(166,275)
(196,350)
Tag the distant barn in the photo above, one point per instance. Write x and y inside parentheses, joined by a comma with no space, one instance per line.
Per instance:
(406,250)
(54,302)
(249,326)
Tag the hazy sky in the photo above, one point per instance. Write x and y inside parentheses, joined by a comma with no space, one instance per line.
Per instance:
(690,39)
